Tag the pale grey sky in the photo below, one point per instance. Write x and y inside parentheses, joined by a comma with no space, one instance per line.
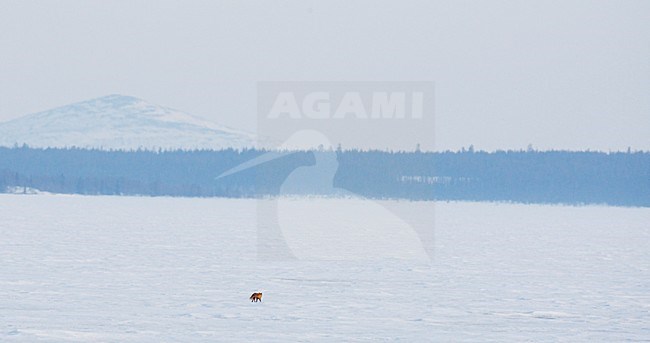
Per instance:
(557,74)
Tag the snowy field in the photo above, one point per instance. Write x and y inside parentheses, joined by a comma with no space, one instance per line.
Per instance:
(129,269)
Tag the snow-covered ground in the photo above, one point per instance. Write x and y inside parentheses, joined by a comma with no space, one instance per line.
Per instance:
(119,122)
(129,269)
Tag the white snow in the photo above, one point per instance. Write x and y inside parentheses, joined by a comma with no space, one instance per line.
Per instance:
(119,122)
(138,269)
(23,190)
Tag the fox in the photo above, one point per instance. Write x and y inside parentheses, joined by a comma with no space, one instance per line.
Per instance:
(255,297)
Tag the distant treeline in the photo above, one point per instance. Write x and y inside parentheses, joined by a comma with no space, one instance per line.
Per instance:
(517,176)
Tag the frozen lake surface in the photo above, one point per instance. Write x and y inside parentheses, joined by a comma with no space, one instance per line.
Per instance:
(137,269)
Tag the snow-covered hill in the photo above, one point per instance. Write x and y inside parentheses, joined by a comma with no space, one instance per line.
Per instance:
(119,122)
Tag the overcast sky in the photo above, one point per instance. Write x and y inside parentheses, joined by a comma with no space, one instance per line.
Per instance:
(555,74)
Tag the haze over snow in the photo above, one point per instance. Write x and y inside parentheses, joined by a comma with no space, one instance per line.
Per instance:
(119,122)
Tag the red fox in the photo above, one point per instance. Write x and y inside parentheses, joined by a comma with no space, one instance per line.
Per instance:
(255,297)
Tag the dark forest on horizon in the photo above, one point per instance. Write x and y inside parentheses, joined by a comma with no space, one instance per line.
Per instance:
(567,177)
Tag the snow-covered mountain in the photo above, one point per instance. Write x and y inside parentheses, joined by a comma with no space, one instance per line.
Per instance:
(119,122)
